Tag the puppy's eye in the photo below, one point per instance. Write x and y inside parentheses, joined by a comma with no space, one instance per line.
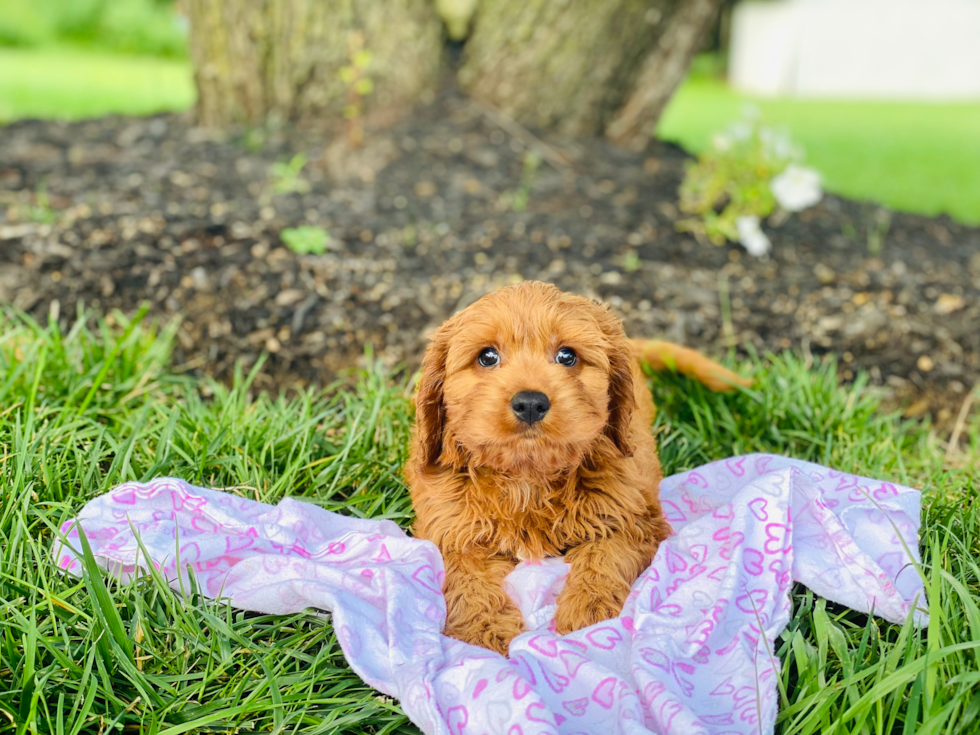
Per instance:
(566,356)
(489,357)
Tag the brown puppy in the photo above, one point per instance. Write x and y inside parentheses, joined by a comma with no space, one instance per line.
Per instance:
(532,440)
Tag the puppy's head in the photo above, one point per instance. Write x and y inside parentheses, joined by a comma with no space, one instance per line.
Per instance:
(526,379)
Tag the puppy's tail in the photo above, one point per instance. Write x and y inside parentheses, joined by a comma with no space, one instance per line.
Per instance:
(667,355)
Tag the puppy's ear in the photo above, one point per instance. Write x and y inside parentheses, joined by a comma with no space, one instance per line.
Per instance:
(622,399)
(430,410)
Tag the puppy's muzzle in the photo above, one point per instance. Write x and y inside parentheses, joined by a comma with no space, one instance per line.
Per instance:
(530,406)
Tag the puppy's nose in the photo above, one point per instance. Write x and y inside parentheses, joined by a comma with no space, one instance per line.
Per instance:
(530,406)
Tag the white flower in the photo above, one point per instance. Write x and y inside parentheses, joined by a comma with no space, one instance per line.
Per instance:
(751,111)
(721,142)
(752,236)
(740,131)
(796,188)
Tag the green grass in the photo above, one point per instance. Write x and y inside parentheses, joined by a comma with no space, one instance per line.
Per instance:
(66,82)
(915,157)
(83,411)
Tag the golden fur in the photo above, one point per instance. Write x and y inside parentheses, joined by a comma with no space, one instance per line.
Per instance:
(583,482)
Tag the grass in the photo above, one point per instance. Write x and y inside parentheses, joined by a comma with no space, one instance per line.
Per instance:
(71,83)
(915,157)
(85,410)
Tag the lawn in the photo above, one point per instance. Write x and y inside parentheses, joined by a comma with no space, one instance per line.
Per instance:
(85,410)
(914,157)
(71,83)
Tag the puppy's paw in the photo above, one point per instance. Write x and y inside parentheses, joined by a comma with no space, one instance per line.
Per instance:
(580,606)
(493,629)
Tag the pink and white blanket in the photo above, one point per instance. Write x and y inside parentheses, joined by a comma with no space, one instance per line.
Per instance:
(692,652)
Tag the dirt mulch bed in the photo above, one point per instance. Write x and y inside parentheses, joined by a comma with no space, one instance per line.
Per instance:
(117,211)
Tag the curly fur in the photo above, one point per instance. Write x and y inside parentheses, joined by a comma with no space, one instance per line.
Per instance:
(583,482)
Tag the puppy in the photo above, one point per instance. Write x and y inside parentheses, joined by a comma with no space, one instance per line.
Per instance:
(532,440)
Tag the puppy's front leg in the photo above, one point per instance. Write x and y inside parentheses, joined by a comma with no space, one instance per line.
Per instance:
(478,609)
(600,579)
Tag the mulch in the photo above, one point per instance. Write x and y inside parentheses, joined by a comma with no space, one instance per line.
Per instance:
(434,212)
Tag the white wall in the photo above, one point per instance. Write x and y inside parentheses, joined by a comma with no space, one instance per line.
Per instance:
(886,49)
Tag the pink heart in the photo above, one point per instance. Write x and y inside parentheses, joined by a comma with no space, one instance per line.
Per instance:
(752,560)
(718,574)
(237,543)
(202,524)
(753,601)
(423,575)
(699,552)
(573,661)
(457,718)
(723,512)
(776,538)
(725,719)
(533,717)
(576,707)
(652,690)
(733,543)
(885,490)
(701,656)
(656,658)
(722,534)
(758,508)
(696,478)
(556,682)
(670,610)
(668,711)
(687,687)
(521,688)
(125,496)
(736,466)
(549,646)
(672,512)
(605,638)
(603,694)
(675,562)
(724,688)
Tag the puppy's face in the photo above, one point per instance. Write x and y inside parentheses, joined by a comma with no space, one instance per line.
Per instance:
(529,378)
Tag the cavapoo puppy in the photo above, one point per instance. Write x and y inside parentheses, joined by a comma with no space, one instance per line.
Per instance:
(533,440)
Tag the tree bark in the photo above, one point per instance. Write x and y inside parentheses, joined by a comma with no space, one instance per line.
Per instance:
(256,59)
(662,71)
(576,66)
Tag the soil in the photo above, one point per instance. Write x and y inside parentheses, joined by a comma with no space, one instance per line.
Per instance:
(437,210)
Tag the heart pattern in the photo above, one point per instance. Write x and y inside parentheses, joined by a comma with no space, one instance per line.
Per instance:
(689,653)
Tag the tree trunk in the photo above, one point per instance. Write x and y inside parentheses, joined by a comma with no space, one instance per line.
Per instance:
(256,59)
(662,70)
(575,66)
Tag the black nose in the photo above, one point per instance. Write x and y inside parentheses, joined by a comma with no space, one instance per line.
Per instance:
(530,406)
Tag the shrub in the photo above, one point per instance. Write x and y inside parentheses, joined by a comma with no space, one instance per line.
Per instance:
(746,172)
(133,26)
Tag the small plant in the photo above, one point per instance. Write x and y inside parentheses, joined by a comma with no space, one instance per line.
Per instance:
(41,211)
(749,171)
(306,240)
(878,228)
(518,199)
(287,176)
(359,85)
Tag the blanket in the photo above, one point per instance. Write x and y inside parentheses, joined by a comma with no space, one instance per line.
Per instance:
(693,651)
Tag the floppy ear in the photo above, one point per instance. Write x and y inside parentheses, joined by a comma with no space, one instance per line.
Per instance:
(430,411)
(622,399)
